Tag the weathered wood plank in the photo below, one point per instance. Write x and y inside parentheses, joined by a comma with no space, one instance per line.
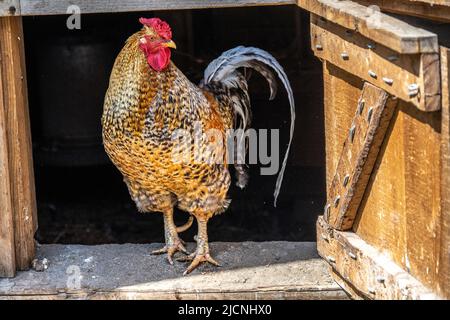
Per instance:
(270,293)
(371,272)
(400,211)
(9,7)
(347,286)
(7,254)
(434,2)
(341,89)
(437,11)
(365,136)
(381,28)
(444,247)
(409,77)
(19,138)
(251,270)
(48,7)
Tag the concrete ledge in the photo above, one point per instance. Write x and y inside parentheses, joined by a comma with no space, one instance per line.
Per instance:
(251,270)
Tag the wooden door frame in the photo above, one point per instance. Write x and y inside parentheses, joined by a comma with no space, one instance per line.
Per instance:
(18,217)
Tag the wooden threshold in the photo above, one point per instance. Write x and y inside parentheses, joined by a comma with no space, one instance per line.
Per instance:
(251,270)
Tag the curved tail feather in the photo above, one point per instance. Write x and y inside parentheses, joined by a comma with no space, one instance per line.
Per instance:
(223,70)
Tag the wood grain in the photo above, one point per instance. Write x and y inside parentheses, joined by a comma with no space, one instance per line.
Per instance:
(9,7)
(439,11)
(372,115)
(379,27)
(377,64)
(400,212)
(370,272)
(7,253)
(434,2)
(341,93)
(444,247)
(17,124)
(347,286)
(49,7)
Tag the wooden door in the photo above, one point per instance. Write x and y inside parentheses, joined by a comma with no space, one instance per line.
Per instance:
(384,230)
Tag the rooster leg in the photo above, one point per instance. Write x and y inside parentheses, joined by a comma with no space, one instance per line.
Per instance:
(201,254)
(173,242)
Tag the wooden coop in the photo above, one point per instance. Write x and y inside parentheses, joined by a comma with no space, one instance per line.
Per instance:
(384,232)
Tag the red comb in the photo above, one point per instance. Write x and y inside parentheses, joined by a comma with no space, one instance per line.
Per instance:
(161,27)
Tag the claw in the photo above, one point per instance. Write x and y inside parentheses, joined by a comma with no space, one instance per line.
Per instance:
(159,251)
(197,260)
(171,250)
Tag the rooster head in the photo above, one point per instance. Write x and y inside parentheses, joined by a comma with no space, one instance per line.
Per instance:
(155,42)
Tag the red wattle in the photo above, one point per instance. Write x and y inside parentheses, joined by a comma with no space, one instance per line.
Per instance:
(159,59)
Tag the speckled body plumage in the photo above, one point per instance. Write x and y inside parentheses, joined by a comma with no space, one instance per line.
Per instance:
(142,110)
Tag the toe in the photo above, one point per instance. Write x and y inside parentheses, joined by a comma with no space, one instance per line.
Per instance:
(171,250)
(160,251)
(197,260)
(212,261)
(194,264)
(170,254)
(189,257)
(182,248)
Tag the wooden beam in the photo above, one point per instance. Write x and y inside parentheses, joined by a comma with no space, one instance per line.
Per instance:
(439,12)
(9,7)
(49,7)
(365,136)
(434,2)
(444,256)
(17,124)
(378,27)
(370,272)
(410,77)
(7,254)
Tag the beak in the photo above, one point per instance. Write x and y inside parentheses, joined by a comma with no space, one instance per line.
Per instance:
(170,44)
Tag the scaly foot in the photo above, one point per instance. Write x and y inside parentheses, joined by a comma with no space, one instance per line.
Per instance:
(173,242)
(197,259)
(201,254)
(171,248)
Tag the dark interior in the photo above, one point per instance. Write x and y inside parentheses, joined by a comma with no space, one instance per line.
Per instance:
(80,194)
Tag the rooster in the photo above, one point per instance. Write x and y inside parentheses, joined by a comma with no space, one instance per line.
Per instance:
(149,99)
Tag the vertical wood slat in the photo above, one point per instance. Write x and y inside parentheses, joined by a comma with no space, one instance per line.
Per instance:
(444,254)
(17,125)
(357,158)
(7,254)
(340,88)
